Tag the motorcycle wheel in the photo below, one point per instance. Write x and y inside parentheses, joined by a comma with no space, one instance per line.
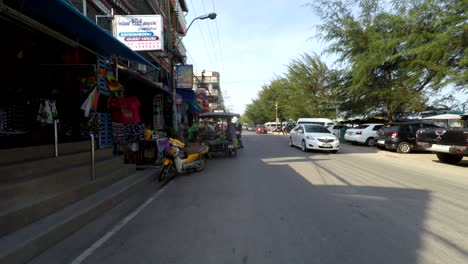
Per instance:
(167,172)
(204,160)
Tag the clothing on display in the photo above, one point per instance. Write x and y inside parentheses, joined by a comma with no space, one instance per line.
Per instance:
(47,112)
(134,132)
(91,102)
(130,110)
(14,119)
(93,124)
(126,118)
(119,135)
(116,109)
(125,109)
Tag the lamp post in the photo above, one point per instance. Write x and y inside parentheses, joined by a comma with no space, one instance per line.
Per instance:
(176,45)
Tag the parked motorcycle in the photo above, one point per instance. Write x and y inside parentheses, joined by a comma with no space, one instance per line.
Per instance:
(174,164)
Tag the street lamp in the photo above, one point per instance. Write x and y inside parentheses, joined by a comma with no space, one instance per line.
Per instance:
(176,45)
(209,15)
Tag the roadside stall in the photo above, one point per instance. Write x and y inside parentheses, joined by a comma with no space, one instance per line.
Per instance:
(217,131)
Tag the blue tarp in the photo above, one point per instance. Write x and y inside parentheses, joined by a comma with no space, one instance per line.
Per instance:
(63,17)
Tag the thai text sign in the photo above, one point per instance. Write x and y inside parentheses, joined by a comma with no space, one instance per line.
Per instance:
(139,32)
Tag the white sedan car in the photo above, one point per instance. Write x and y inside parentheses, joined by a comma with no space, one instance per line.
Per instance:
(363,134)
(312,136)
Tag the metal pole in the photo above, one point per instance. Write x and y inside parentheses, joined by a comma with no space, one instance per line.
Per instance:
(276,111)
(93,176)
(174,105)
(55,139)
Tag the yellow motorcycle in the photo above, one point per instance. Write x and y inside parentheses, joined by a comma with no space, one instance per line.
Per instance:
(174,164)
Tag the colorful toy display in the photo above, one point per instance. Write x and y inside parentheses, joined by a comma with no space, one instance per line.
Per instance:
(112,83)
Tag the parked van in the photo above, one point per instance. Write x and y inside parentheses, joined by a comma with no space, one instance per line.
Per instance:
(273,126)
(320,121)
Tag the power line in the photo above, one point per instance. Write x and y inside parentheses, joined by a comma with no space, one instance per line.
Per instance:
(219,40)
(203,36)
(243,81)
(211,37)
(191,58)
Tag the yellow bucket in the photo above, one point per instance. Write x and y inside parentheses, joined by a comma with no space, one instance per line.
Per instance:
(148,133)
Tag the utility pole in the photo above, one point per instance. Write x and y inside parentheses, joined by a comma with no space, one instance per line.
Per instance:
(276,108)
(174,48)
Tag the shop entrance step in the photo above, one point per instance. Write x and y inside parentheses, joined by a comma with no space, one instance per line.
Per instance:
(31,240)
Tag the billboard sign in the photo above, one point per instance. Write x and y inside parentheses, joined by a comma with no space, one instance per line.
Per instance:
(139,32)
(184,75)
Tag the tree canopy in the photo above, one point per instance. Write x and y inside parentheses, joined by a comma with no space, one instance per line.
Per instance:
(392,55)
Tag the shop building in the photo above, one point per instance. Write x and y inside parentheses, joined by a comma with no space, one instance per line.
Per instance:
(56,58)
(63,74)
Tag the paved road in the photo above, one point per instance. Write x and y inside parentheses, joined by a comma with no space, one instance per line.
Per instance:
(276,204)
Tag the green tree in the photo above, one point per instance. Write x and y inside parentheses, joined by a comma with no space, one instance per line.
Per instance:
(394,59)
(307,89)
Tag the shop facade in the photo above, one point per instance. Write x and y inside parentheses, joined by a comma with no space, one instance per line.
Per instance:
(59,90)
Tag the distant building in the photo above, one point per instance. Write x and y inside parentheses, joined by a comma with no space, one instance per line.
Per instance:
(207,83)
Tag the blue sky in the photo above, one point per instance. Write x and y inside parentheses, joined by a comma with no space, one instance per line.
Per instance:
(251,42)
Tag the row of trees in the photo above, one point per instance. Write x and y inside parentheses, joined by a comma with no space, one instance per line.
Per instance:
(392,57)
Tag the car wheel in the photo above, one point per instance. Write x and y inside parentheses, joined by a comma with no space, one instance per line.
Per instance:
(370,142)
(403,147)
(449,158)
(290,142)
(303,146)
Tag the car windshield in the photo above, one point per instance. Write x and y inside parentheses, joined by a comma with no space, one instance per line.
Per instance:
(390,129)
(260,126)
(362,126)
(313,122)
(315,129)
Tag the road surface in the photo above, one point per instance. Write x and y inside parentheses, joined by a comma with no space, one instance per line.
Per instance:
(275,204)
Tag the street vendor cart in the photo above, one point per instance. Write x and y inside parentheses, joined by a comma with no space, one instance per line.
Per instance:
(217,131)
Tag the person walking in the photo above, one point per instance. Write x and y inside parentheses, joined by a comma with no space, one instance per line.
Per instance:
(285,129)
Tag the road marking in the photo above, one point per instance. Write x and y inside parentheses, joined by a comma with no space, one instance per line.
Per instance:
(88,252)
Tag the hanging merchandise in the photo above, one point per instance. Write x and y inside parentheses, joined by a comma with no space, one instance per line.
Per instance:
(47,112)
(93,125)
(119,135)
(91,102)
(134,133)
(115,107)
(130,110)
(88,83)
(111,81)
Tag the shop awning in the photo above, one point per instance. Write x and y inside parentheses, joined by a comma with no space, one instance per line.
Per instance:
(61,16)
(188,95)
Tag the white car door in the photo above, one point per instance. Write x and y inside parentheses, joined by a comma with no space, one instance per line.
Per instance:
(294,135)
(300,135)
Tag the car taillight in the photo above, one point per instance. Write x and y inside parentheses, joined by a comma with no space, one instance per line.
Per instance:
(359,133)
(394,134)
